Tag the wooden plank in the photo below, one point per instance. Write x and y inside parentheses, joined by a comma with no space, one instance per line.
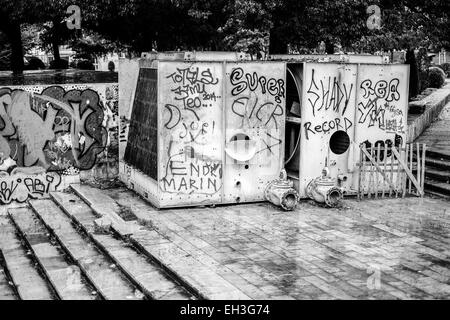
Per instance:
(418,168)
(398,181)
(102,273)
(364,174)
(385,169)
(424,147)
(409,173)
(404,172)
(411,151)
(376,173)
(378,168)
(65,277)
(30,284)
(360,193)
(372,180)
(392,187)
(150,278)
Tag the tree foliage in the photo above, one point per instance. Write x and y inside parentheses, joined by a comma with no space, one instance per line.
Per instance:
(244,25)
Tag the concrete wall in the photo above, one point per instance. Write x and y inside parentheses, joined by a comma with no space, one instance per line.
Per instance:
(53,135)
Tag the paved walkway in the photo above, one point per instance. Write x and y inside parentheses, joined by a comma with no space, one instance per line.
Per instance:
(374,249)
(390,249)
(437,136)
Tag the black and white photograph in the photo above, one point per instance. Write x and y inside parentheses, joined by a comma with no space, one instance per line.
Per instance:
(239,151)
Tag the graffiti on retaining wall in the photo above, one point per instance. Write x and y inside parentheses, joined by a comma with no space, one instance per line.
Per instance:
(54,130)
(191,127)
(23,183)
(57,130)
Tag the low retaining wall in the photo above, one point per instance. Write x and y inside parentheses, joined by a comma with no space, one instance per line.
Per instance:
(55,131)
(430,107)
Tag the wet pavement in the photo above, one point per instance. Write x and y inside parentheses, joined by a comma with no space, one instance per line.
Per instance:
(374,249)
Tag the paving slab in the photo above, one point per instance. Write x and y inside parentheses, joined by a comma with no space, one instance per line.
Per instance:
(6,288)
(208,284)
(29,283)
(64,276)
(107,210)
(152,280)
(375,249)
(110,282)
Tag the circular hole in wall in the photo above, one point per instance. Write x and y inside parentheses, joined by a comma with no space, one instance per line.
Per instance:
(246,166)
(339,142)
(240,136)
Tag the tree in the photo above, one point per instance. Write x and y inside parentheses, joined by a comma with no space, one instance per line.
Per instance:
(14,13)
(248,26)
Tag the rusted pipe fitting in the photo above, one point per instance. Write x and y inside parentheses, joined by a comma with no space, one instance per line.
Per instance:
(324,190)
(281,192)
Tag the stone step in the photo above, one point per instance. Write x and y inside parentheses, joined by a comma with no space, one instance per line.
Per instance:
(29,282)
(107,210)
(169,250)
(438,187)
(437,164)
(63,275)
(437,195)
(7,289)
(103,274)
(149,277)
(438,154)
(437,175)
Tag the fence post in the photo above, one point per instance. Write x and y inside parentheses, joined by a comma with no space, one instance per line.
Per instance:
(422,181)
(418,168)
(404,172)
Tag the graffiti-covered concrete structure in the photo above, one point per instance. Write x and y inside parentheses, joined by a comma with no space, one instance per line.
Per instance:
(217,129)
(205,130)
(56,128)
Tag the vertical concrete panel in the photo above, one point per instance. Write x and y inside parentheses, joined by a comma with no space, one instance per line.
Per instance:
(328,106)
(190,125)
(382,106)
(128,75)
(255,125)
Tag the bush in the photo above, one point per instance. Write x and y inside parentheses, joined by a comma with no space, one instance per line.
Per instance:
(446,68)
(34,63)
(84,64)
(436,77)
(59,64)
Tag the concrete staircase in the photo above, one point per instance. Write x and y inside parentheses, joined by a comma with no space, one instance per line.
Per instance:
(437,166)
(71,249)
(437,173)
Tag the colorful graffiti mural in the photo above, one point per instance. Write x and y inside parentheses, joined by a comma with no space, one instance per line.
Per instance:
(55,130)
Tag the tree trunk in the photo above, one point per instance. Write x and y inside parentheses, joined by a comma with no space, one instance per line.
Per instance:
(55,41)
(329,47)
(15,38)
(276,45)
